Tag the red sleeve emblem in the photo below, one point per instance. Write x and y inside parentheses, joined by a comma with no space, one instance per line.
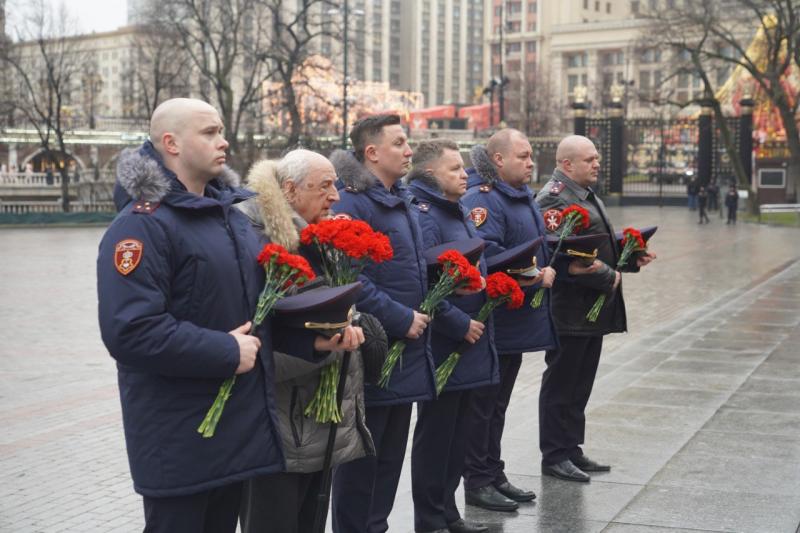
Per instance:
(342,216)
(479,216)
(127,255)
(552,219)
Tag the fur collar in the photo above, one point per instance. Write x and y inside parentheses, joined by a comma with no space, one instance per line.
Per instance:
(142,174)
(423,177)
(351,172)
(270,211)
(483,164)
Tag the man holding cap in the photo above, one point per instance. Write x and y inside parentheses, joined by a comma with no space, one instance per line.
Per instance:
(571,367)
(505,214)
(438,181)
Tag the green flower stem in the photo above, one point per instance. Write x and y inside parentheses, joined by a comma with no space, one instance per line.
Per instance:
(569,225)
(627,250)
(324,405)
(395,354)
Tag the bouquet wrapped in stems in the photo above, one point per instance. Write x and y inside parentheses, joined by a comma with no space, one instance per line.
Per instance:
(574,218)
(500,289)
(631,242)
(345,248)
(282,271)
(457,273)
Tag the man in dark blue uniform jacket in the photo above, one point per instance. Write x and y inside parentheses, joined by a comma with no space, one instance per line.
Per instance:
(506,215)
(437,182)
(364,489)
(178,281)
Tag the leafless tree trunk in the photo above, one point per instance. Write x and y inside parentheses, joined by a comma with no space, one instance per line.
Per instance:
(46,65)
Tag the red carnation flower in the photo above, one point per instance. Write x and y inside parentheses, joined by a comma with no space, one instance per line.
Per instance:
(583,216)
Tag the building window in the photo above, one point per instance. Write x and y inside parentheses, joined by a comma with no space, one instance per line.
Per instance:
(513,48)
(597,6)
(530,47)
(608,7)
(532,7)
(635,8)
(585,4)
(576,60)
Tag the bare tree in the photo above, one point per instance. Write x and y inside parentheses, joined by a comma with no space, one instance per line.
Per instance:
(45,64)
(160,67)
(295,27)
(711,36)
(224,40)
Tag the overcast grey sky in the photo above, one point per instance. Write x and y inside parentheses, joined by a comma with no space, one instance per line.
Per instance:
(91,15)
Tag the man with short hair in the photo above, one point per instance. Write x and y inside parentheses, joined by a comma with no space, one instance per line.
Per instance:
(571,367)
(506,215)
(364,489)
(178,281)
(438,181)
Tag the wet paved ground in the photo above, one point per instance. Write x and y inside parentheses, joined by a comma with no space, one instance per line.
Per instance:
(697,408)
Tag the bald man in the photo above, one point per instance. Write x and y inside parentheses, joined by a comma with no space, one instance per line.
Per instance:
(571,367)
(503,209)
(178,281)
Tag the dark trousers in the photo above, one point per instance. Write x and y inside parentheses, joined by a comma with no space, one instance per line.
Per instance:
(731,215)
(280,503)
(485,421)
(566,385)
(212,511)
(437,459)
(364,489)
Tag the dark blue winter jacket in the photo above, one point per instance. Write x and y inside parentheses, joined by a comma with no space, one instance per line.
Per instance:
(189,277)
(444,221)
(393,289)
(506,217)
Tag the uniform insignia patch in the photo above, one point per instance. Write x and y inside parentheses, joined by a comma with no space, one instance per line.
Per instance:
(342,216)
(479,216)
(127,255)
(557,187)
(552,219)
(485,188)
(145,207)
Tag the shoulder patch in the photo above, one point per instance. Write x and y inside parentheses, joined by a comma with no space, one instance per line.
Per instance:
(557,187)
(424,207)
(479,215)
(552,219)
(127,255)
(342,216)
(485,187)
(145,207)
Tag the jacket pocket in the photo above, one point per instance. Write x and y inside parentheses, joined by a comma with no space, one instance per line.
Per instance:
(296,417)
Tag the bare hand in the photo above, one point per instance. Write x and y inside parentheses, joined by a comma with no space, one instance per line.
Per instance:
(248,347)
(576,268)
(466,292)
(646,259)
(475,331)
(350,338)
(548,277)
(617,280)
(418,325)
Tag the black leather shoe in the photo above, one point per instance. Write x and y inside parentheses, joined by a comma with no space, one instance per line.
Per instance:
(587,465)
(566,470)
(513,493)
(489,498)
(461,526)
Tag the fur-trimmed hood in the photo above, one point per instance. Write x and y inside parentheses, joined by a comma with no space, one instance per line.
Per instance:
(350,171)
(483,165)
(270,211)
(143,176)
(422,176)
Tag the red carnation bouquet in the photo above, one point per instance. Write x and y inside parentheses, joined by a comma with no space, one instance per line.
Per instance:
(283,270)
(574,219)
(631,242)
(457,273)
(345,248)
(500,289)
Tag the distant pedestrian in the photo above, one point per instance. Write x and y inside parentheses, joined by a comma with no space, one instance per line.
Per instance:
(732,203)
(702,202)
(691,193)
(713,195)
(48,176)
